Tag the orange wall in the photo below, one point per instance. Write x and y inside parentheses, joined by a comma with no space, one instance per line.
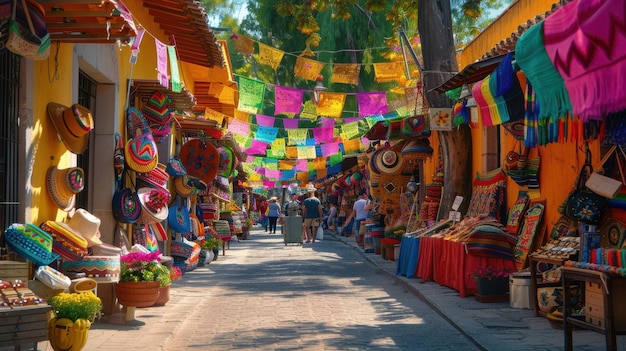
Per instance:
(559,162)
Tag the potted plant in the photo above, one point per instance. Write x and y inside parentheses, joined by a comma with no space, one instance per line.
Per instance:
(164,291)
(492,281)
(212,244)
(73,315)
(141,276)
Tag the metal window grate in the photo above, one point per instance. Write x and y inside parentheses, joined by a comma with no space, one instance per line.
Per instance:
(86,97)
(9,137)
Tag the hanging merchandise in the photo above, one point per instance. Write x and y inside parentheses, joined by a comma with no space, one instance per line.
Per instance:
(125,203)
(582,204)
(200,159)
(158,114)
(72,124)
(28,32)
(153,204)
(178,217)
(64,184)
(140,152)
(603,185)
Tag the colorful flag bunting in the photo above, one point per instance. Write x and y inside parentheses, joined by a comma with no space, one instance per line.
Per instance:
(257,147)
(297,136)
(371,103)
(324,134)
(270,56)
(290,123)
(176,84)
(307,68)
(244,45)
(263,120)
(346,73)
(251,93)
(266,134)
(288,100)
(331,104)
(236,126)
(214,115)
(388,71)
(161,51)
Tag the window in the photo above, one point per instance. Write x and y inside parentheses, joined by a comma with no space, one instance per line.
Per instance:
(87,98)
(9,137)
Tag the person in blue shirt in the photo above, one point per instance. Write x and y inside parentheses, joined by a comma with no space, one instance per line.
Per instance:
(312,210)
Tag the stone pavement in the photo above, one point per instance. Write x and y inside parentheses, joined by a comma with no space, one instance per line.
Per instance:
(324,296)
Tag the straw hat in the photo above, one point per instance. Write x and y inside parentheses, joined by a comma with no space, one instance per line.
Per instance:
(141,154)
(73,125)
(87,225)
(67,242)
(156,178)
(184,186)
(388,161)
(153,204)
(310,188)
(64,184)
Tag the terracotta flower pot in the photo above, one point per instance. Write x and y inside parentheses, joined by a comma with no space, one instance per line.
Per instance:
(164,296)
(137,294)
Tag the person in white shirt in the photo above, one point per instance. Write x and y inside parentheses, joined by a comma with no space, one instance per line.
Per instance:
(359,212)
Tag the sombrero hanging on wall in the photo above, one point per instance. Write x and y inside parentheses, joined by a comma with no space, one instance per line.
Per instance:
(200,159)
(73,125)
(64,184)
(389,161)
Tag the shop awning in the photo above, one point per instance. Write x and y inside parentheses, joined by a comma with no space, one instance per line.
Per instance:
(472,73)
(88,21)
(186,21)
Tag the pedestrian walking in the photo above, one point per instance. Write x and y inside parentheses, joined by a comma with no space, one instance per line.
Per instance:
(312,210)
(359,212)
(272,214)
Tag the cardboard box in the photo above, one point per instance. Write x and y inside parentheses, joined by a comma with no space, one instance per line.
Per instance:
(14,270)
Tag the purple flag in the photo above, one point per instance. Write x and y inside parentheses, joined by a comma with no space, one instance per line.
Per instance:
(323,135)
(288,100)
(161,51)
(371,103)
(290,123)
(266,121)
(257,148)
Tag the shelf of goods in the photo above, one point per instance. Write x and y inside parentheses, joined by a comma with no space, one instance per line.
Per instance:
(605,308)
(545,264)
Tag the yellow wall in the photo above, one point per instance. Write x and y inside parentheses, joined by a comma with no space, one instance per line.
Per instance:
(516,14)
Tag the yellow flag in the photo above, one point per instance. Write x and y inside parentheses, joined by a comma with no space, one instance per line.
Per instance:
(291,152)
(297,136)
(346,73)
(307,68)
(286,165)
(242,116)
(388,71)
(319,163)
(306,152)
(227,96)
(270,56)
(278,147)
(353,145)
(244,45)
(214,115)
(321,173)
(331,104)
(302,177)
(350,130)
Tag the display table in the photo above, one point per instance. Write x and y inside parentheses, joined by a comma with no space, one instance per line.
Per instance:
(25,325)
(406,264)
(610,291)
(448,263)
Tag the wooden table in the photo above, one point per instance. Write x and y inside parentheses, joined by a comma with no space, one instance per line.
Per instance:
(25,325)
(610,285)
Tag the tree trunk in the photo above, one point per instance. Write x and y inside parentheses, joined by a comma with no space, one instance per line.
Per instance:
(435,28)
